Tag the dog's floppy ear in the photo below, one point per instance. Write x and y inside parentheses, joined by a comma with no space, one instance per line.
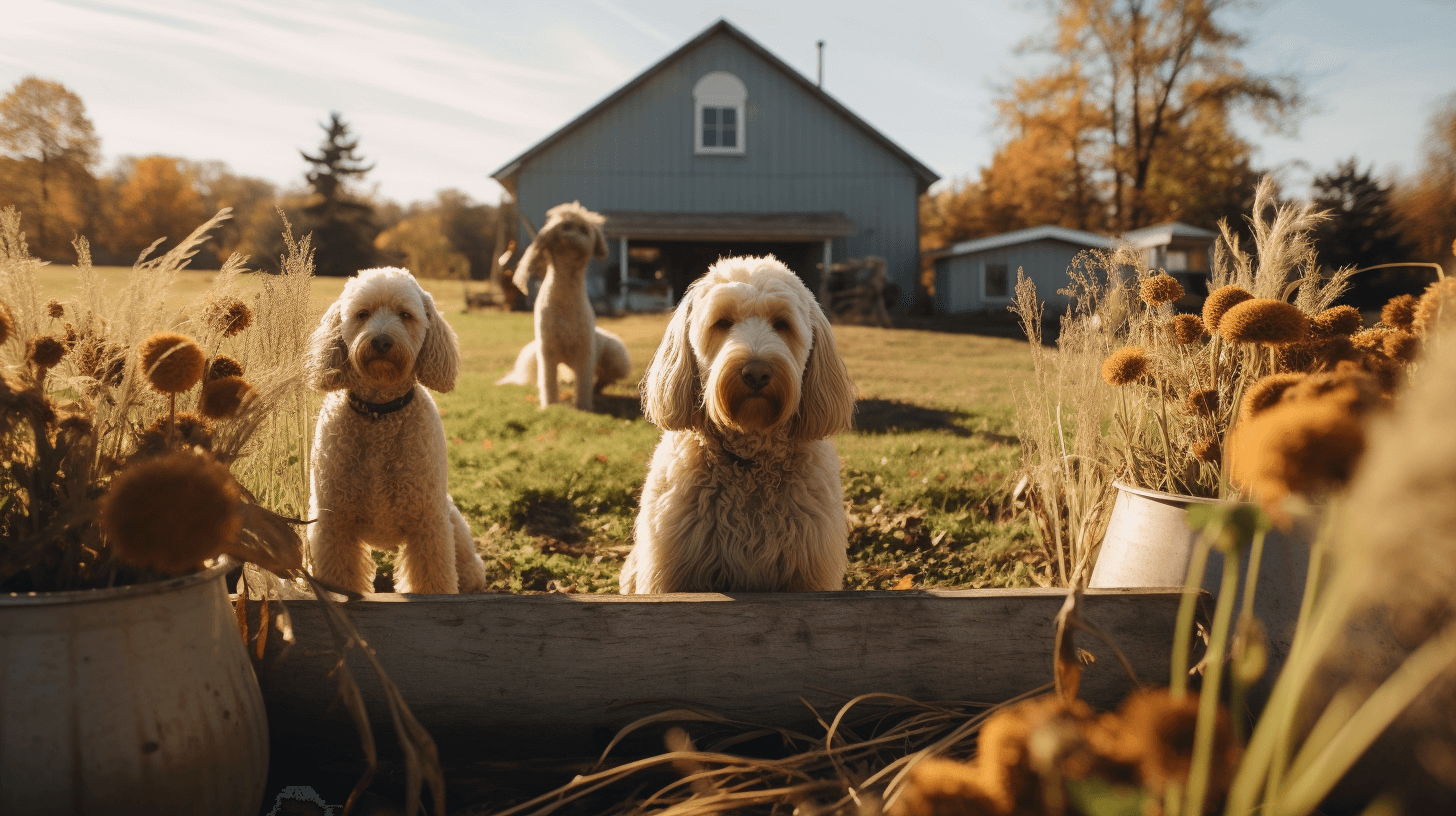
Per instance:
(534,261)
(672,391)
(599,242)
(327,355)
(438,363)
(826,401)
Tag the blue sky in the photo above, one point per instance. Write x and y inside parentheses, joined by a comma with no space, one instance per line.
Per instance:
(443,92)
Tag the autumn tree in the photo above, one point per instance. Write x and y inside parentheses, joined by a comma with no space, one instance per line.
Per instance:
(1136,102)
(52,148)
(1427,203)
(341,222)
(150,198)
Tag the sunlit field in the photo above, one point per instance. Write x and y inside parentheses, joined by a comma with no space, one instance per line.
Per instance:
(551,495)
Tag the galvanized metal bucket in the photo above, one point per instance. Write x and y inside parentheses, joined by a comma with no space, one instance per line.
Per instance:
(137,699)
(1148,544)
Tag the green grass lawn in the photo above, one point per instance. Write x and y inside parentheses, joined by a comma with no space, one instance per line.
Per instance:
(551,495)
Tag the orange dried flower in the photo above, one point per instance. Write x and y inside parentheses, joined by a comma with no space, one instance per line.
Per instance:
(44,351)
(1203,402)
(172,512)
(229,315)
(1159,731)
(943,787)
(1264,392)
(1265,321)
(189,430)
(1126,365)
(1437,305)
(55,309)
(1208,450)
(1399,313)
(221,398)
(1349,385)
(1160,289)
(171,362)
(1219,302)
(1298,446)
(1188,329)
(1335,322)
(1401,346)
(224,366)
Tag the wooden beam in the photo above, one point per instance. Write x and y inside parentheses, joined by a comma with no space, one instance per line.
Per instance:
(553,675)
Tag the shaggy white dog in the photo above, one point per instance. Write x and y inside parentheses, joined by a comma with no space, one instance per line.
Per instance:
(610,353)
(565,321)
(743,492)
(379,464)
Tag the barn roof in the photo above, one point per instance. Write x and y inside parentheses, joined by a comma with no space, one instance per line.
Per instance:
(924,175)
(1090,240)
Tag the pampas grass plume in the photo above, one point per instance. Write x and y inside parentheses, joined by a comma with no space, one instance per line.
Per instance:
(1265,392)
(1399,313)
(1160,289)
(1265,321)
(171,362)
(1188,329)
(1336,321)
(1219,302)
(172,512)
(221,398)
(1124,366)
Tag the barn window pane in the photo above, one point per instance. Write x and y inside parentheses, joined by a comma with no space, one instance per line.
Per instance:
(730,117)
(730,135)
(998,282)
(710,117)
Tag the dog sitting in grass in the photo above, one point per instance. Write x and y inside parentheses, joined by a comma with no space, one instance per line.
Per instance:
(565,322)
(610,353)
(379,464)
(743,490)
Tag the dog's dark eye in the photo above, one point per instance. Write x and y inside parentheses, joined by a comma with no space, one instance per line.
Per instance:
(363,314)
(724,324)
(781,325)
(406,316)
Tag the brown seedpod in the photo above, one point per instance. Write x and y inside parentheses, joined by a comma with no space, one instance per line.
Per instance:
(55,309)
(172,363)
(1401,346)
(1399,313)
(1265,392)
(1219,302)
(1264,321)
(172,512)
(188,430)
(44,351)
(221,398)
(224,366)
(1203,402)
(1208,450)
(229,315)
(1437,305)
(1336,321)
(1124,366)
(1188,329)
(1160,289)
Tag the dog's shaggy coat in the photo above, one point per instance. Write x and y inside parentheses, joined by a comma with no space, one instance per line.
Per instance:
(610,353)
(379,475)
(743,491)
(565,321)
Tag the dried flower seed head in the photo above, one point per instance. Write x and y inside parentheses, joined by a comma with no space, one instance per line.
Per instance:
(188,431)
(1399,313)
(1401,346)
(1336,321)
(7,324)
(1436,306)
(1265,392)
(1370,341)
(1203,402)
(1265,321)
(1124,366)
(1348,385)
(224,366)
(1160,730)
(221,398)
(1160,289)
(171,362)
(229,315)
(1219,302)
(55,309)
(1208,450)
(1188,329)
(943,786)
(1300,446)
(44,351)
(172,512)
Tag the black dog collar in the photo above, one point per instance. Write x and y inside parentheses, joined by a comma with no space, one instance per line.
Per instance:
(379,410)
(741,461)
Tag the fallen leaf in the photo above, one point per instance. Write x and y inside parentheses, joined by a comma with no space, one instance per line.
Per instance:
(487,444)
(907,582)
(602,457)
(459,441)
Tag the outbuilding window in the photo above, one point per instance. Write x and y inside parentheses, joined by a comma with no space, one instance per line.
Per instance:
(996,282)
(719,102)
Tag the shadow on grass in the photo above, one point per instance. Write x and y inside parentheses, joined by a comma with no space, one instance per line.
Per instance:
(983,324)
(879,416)
(617,406)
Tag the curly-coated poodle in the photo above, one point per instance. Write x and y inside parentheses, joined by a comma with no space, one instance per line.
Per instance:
(565,321)
(379,464)
(612,363)
(743,492)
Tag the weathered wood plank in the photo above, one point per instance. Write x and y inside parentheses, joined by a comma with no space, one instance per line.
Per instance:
(549,675)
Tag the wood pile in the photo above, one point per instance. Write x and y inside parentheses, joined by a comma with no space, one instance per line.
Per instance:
(855,291)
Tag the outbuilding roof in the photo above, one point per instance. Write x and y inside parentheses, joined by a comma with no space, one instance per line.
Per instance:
(1163,234)
(924,175)
(1090,240)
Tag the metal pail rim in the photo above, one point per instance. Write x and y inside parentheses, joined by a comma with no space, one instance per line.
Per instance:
(202,576)
(1165,498)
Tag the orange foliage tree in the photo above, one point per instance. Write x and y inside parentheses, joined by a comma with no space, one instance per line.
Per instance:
(152,197)
(1427,203)
(51,147)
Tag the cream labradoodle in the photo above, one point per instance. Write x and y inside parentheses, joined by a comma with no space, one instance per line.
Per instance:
(743,492)
(612,363)
(379,463)
(565,321)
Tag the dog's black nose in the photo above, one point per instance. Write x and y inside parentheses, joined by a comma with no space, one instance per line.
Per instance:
(756,374)
(382,344)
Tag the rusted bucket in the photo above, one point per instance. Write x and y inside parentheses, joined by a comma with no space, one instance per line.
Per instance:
(1148,544)
(137,699)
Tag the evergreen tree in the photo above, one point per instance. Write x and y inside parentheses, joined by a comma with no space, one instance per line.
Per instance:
(1362,231)
(342,225)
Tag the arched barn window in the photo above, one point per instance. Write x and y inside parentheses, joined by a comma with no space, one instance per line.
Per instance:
(719,102)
